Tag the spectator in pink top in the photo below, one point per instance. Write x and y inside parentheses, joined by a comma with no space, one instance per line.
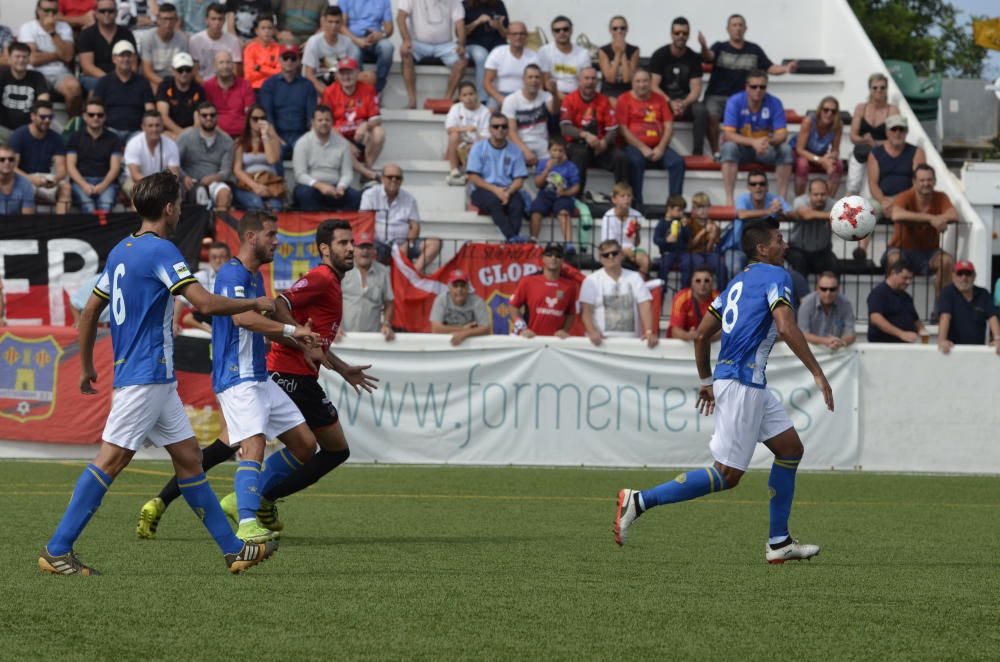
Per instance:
(230,94)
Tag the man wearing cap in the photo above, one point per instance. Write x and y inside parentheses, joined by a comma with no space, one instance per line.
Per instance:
(94,44)
(920,215)
(206,161)
(231,94)
(367,290)
(356,116)
(496,171)
(178,95)
(459,311)
(825,316)
(289,100)
(965,310)
(548,297)
(125,93)
(397,220)
(159,47)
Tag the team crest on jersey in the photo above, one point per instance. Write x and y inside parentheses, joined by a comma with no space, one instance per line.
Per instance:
(498,304)
(239,291)
(29,368)
(295,256)
(182,271)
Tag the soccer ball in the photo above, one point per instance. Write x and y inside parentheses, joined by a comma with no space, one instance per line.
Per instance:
(852,218)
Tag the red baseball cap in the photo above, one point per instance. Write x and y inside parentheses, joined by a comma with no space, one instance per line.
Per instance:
(458,276)
(288,48)
(364,238)
(347,63)
(964,265)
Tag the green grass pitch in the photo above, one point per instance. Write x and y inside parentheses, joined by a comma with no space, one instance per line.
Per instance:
(440,563)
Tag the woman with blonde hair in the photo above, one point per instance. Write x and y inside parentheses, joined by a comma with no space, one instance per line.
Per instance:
(868,129)
(618,60)
(819,143)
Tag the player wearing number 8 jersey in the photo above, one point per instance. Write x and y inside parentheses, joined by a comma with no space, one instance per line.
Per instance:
(752,312)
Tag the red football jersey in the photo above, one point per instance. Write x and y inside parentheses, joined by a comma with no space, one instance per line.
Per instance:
(549,302)
(350,111)
(316,296)
(596,116)
(644,119)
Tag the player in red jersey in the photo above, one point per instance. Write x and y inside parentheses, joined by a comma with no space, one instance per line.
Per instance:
(549,297)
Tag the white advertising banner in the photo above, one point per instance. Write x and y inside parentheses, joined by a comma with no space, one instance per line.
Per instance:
(508,400)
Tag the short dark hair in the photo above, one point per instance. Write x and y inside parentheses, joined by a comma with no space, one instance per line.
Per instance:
(899,266)
(757,232)
(561,19)
(496,114)
(153,193)
(465,84)
(677,201)
(608,243)
(529,66)
(556,139)
(757,73)
(732,16)
(326,229)
(216,245)
(680,20)
(704,268)
(215,8)
(333,10)
(263,17)
(19,46)
(829,274)
(39,104)
(203,105)
(756,172)
(323,108)
(93,101)
(150,113)
(254,221)
(923,166)
(168,8)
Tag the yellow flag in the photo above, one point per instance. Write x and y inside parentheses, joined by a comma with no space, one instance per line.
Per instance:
(986,33)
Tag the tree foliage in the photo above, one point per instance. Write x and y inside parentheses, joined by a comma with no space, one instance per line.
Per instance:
(925,32)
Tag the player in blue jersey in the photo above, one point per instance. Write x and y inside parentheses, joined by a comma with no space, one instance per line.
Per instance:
(254,406)
(752,312)
(140,276)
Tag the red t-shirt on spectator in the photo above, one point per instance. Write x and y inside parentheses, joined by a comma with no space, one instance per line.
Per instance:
(686,312)
(349,112)
(231,104)
(644,119)
(596,116)
(76,7)
(549,302)
(316,296)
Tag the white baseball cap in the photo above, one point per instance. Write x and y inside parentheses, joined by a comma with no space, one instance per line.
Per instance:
(123,46)
(182,60)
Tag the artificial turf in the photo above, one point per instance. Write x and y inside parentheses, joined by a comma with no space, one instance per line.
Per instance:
(441,563)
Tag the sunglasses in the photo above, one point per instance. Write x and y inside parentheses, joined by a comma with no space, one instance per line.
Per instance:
(828,289)
(757,87)
(206,116)
(620,28)
(185,70)
(611,254)
(551,254)
(289,57)
(7,159)
(756,184)
(681,33)
(898,128)
(828,110)
(501,127)
(957,273)
(877,88)
(49,10)
(95,114)
(395,178)
(46,118)
(258,118)
(558,30)
(107,11)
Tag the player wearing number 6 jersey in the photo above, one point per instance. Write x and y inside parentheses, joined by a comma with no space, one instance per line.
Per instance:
(141,274)
(752,312)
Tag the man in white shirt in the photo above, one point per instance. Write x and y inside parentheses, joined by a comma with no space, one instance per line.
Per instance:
(505,65)
(397,220)
(561,61)
(615,302)
(150,152)
(529,110)
(431,29)
(206,43)
(51,44)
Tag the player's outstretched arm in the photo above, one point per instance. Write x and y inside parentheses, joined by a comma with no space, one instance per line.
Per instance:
(354,375)
(710,325)
(88,334)
(213,304)
(784,319)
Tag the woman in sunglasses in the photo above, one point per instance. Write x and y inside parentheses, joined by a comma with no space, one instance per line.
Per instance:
(618,60)
(868,129)
(819,142)
(255,164)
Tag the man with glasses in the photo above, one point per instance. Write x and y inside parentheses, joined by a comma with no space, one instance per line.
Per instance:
(149,152)
(810,249)
(356,116)
(676,71)
(51,44)
(125,93)
(17,195)
(891,165)
(20,88)
(397,220)
(755,131)
(965,311)
(920,215)
(825,316)
(95,43)
(431,30)
(94,161)
(289,99)
(505,66)
(547,297)
(615,302)
(590,127)
(460,311)
(324,170)
(206,161)
(496,172)
(892,317)
(41,158)
(368,299)
(756,203)
(231,94)
(178,96)
(368,24)
(159,47)
(562,62)
(691,304)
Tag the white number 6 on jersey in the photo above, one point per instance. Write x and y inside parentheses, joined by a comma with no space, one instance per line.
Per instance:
(117,297)
(732,311)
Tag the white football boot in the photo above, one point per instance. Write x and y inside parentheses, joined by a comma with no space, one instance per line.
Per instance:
(793,551)
(626,513)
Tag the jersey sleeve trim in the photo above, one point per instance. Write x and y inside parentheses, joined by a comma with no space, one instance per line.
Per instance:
(282,296)
(715,312)
(781,300)
(181,284)
(102,295)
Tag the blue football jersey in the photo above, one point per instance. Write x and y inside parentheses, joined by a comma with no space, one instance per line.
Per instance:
(140,275)
(748,329)
(237,354)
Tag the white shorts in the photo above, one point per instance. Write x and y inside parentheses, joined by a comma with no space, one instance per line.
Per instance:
(444,52)
(215,188)
(252,408)
(744,417)
(146,414)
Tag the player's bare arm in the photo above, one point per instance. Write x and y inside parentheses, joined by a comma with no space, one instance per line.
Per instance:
(88,334)
(213,304)
(275,330)
(789,331)
(354,375)
(709,327)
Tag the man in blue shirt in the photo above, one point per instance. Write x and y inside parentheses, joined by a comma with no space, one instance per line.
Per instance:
(289,100)
(17,195)
(754,131)
(965,311)
(140,275)
(496,172)
(751,313)
(756,203)
(368,24)
(41,158)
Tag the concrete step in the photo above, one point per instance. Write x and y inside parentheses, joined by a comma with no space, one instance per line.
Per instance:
(438,198)
(413,134)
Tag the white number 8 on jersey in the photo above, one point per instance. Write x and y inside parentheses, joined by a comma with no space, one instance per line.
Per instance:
(117,296)
(732,311)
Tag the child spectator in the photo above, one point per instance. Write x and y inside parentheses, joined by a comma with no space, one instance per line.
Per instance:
(558,182)
(705,235)
(261,57)
(623,224)
(672,235)
(467,123)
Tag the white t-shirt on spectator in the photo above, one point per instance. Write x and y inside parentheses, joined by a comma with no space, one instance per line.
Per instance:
(531,119)
(203,49)
(459,115)
(563,67)
(510,70)
(616,303)
(612,227)
(433,21)
(33,32)
(323,57)
(392,220)
(166,154)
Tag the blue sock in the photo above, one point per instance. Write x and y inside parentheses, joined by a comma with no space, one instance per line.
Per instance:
(205,504)
(277,468)
(685,487)
(781,484)
(246,485)
(90,489)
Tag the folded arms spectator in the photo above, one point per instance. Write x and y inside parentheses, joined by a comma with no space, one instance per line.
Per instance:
(289,99)
(262,56)
(459,311)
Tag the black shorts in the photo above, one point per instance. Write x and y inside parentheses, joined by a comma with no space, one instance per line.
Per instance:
(309,397)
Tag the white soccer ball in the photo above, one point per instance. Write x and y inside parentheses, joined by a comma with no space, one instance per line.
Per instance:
(852,218)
